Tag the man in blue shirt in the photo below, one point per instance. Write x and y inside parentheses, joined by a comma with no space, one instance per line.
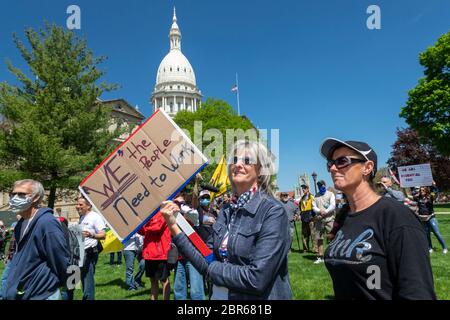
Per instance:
(39,266)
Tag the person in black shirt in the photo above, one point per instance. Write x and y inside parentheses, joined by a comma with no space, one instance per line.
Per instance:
(424,202)
(380,250)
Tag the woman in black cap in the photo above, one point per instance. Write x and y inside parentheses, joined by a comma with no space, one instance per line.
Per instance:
(381,249)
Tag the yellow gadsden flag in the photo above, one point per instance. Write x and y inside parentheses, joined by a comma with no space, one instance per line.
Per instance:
(111,243)
(220,178)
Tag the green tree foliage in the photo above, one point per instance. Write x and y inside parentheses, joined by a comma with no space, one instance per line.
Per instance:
(213,115)
(54,129)
(428,108)
(409,150)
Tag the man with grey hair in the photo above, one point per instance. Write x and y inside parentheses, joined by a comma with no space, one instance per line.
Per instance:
(292,211)
(386,182)
(39,266)
(324,205)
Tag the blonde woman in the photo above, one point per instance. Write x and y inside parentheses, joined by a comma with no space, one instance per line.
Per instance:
(250,239)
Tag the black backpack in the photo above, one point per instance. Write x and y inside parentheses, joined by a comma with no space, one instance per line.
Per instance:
(73,245)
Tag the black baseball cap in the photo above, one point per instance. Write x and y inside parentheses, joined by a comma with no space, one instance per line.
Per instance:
(321,183)
(304,186)
(329,145)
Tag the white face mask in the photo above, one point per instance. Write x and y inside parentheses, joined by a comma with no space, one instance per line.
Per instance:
(18,204)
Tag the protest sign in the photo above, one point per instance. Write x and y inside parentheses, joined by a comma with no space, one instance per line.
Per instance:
(152,165)
(415,175)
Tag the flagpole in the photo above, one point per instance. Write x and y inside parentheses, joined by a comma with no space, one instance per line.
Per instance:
(237,84)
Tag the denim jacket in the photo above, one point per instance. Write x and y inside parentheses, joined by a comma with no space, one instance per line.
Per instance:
(258,246)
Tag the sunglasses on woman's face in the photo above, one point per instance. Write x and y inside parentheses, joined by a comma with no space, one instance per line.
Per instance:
(244,160)
(343,162)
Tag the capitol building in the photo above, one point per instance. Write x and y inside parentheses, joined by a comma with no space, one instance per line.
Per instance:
(175,90)
(176,87)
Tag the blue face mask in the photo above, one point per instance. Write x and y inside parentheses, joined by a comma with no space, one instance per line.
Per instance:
(204,202)
(322,190)
(18,204)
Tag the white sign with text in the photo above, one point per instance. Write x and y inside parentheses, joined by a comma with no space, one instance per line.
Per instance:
(416,175)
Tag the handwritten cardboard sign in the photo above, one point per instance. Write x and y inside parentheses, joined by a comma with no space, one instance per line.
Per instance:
(156,161)
(416,175)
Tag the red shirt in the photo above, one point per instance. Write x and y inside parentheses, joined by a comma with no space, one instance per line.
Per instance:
(156,238)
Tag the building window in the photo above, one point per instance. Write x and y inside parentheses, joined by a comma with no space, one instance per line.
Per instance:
(170,87)
(171,107)
(178,69)
(170,68)
(178,87)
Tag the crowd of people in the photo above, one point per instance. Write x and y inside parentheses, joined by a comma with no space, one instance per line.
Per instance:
(360,229)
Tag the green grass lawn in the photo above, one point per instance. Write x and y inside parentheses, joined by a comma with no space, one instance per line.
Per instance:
(308,281)
(442,207)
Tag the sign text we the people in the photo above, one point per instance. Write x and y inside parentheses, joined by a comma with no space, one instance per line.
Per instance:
(128,187)
(415,175)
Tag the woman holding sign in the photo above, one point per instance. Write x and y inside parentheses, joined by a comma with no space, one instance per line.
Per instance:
(424,202)
(250,240)
(380,251)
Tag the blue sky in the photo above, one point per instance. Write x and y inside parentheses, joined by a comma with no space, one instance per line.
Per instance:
(309,68)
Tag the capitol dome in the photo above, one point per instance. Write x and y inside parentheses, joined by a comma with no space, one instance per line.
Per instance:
(175,67)
(176,87)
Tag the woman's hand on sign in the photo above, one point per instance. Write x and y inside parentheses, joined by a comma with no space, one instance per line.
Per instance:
(168,209)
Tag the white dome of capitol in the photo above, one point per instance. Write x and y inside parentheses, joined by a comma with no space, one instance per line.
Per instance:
(175,67)
(176,86)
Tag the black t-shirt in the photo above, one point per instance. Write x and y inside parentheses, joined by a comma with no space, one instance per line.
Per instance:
(381,253)
(425,206)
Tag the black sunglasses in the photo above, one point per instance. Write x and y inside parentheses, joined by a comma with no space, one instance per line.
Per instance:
(20,194)
(343,162)
(245,160)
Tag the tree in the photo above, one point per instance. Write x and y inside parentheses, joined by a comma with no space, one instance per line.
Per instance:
(408,150)
(428,107)
(54,131)
(215,117)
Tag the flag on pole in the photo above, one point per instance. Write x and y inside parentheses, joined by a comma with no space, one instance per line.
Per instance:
(111,243)
(220,178)
(234,88)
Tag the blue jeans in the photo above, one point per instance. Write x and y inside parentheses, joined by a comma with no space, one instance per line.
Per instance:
(119,257)
(55,296)
(87,276)
(432,225)
(67,294)
(4,278)
(195,279)
(133,283)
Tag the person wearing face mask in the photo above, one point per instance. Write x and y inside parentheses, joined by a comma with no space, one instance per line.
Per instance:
(206,215)
(324,204)
(39,265)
